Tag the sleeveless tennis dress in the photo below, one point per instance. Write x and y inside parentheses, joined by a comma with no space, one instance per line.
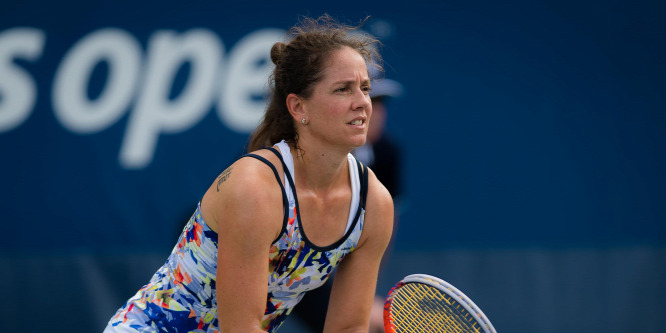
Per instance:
(180,297)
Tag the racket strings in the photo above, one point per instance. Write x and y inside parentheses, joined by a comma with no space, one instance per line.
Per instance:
(420,308)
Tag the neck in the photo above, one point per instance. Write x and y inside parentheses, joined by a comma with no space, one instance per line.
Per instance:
(318,168)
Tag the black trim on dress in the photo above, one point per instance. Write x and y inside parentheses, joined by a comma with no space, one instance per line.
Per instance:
(361,205)
(285,201)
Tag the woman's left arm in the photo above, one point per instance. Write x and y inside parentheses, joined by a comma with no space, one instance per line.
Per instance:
(356,278)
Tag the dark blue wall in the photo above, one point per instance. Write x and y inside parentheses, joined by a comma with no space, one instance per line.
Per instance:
(534,137)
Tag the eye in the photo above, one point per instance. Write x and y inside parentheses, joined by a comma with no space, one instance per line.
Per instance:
(366,89)
(343,89)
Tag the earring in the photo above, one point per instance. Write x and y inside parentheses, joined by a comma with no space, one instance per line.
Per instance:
(303,120)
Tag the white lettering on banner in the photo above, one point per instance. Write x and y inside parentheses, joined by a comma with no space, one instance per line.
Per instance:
(249,68)
(237,86)
(18,91)
(70,99)
(154,112)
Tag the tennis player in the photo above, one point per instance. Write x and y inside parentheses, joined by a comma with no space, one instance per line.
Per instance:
(280,220)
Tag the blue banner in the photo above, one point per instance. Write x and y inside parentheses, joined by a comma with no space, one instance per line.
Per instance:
(516,128)
(522,126)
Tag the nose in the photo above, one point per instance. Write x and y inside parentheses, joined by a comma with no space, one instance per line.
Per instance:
(361,100)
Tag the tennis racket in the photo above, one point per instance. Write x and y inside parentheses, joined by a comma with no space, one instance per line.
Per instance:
(422,303)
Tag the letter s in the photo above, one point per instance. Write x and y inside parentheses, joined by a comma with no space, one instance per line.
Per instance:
(18,91)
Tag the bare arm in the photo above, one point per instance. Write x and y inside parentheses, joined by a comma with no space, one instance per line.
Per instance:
(245,204)
(356,279)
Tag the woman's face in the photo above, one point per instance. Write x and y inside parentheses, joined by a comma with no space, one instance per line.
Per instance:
(339,108)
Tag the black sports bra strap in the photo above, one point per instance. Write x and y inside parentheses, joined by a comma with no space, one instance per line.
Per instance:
(275,151)
(286,172)
(285,201)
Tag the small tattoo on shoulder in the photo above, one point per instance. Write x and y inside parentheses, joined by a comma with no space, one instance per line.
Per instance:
(223,177)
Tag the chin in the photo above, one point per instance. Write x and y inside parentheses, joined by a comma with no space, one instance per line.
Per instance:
(358,143)
(349,142)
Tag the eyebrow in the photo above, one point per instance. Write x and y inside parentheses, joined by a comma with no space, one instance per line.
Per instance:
(347,82)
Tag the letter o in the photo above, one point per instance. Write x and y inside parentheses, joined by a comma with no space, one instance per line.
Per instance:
(71,104)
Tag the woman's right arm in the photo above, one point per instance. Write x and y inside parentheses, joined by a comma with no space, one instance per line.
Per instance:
(245,203)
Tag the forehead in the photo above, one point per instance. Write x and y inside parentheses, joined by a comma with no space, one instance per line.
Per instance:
(345,64)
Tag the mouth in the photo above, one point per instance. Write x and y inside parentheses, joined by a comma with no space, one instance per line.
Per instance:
(360,121)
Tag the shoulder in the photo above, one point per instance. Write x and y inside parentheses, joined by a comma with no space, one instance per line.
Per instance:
(248,175)
(247,190)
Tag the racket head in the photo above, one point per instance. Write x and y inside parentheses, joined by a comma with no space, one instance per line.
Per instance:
(424,303)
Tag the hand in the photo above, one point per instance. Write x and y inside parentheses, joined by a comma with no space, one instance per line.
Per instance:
(377,316)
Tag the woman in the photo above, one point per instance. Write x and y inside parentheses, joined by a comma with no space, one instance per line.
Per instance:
(304,206)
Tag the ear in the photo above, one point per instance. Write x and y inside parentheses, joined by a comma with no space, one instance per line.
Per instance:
(296,107)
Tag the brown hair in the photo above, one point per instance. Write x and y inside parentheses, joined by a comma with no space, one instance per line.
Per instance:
(299,65)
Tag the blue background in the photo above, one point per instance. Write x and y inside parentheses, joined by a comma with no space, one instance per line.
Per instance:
(533,133)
